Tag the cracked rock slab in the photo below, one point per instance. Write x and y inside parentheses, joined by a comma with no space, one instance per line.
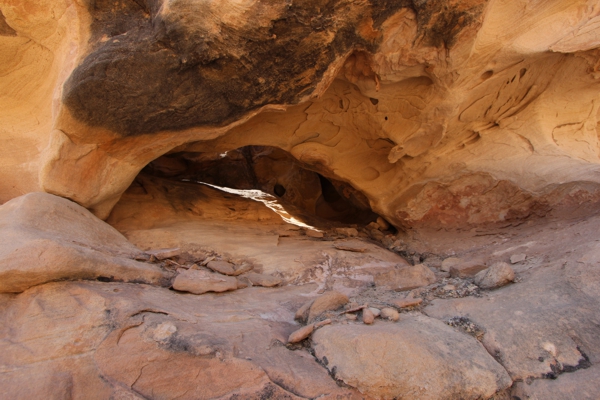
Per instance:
(83,340)
(538,328)
(583,385)
(418,357)
(200,282)
(405,278)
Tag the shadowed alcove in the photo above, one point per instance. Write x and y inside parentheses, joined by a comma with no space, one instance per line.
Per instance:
(272,171)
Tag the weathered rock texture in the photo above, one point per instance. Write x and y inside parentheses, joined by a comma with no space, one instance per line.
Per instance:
(116,340)
(443,113)
(47,238)
(417,358)
(470,115)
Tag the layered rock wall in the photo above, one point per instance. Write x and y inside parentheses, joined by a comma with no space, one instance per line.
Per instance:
(444,113)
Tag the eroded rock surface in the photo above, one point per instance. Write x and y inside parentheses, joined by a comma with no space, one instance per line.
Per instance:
(416,357)
(424,108)
(100,340)
(47,238)
(425,130)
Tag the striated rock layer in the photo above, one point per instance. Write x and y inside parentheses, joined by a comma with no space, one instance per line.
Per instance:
(442,113)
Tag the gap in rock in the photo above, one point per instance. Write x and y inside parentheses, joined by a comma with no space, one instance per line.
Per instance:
(306,195)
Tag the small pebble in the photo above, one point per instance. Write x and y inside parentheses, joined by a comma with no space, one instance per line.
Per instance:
(376,311)
(350,232)
(449,262)
(367,316)
(383,224)
(263,280)
(497,275)
(301,334)
(222,267)
(517,258)
(376,234)
(373,225)
(390,313)
(351,317)
(408,302)
(302,313)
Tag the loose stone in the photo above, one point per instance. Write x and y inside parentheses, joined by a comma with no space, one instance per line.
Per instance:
(222,267)
(376,311)
(367,316)
(301,334)
(390,313)
(410,302)
(450,262)
(163,254)
(517,258)
(495,276)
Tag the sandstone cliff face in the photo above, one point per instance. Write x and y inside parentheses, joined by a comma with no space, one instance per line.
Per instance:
(443,113)
(299,199)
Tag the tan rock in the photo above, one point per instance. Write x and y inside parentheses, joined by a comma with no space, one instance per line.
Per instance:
(352,308)
(405,278)
(351,317)
(349,232)
(466,269)
(222,267)
(517,258)
(376,311)
(373,225)
(534,344)
(367,316)
(243,282)
(376,234)
(301,334)
(242,269)
(48,238)
(408,302)
(438,361)
(199,282)
(499,274)
(383,224)
(314,234)
(304,332)
(447,263)
(124,340)
(238,236)
(302,313)
(390,313)
(102,138)
(351,245)
(326,302)
(163,254)
(263,279)
(322,323)
(582,384)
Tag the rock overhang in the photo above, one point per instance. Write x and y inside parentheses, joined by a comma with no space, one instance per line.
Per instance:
(403,100)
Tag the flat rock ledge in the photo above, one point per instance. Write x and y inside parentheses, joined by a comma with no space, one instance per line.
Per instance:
(416,358)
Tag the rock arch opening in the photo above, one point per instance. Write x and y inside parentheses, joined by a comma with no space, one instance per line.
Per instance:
(306,194)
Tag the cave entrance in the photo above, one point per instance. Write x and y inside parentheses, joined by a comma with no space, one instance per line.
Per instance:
(303,193)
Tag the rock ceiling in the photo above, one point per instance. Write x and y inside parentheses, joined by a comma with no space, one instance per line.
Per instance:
(442,113)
